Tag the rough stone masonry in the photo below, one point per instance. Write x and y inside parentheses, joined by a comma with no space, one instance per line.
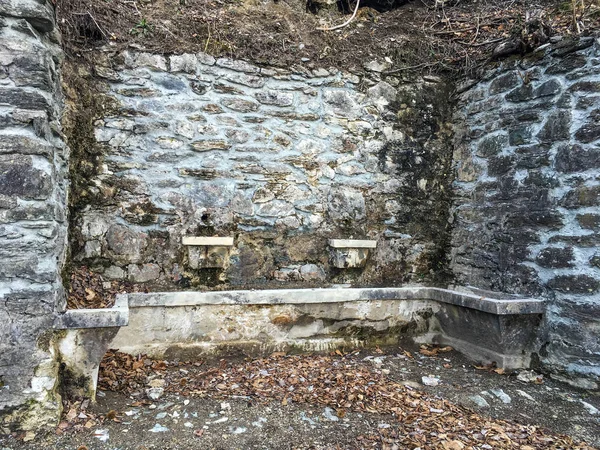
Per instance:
(283,160)
(527,207)
(280,159)
(33,189)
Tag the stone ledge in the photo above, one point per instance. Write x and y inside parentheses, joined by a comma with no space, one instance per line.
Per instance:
(117,316)
(352,243)
(207,241)
(498,306)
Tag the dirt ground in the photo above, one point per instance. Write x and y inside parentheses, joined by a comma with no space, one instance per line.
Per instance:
(406,36)
(501,410)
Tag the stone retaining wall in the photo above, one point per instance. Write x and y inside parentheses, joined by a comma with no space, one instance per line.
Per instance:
(527,211)
(33,187)
(282,160)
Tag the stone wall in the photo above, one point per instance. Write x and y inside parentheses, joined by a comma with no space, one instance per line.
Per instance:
(33,167)
(528,193)
(281,160)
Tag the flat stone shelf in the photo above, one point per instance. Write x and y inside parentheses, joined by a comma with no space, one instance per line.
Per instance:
(207,241)
(352,243)
(117,316)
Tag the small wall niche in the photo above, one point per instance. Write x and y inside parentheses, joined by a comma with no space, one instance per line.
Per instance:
(350,253)
(207,252)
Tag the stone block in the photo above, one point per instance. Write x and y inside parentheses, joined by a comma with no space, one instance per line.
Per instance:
(557,127)
(349,258)
(210,145)
(39,14)
(567,64)
(143,273)
(589,221)
(277,98)
(19,177)
(582,196)
(504,82)
(24,99)
(590,130)
(576,158)
(574,284)
(208,257)
(346,204)
(555,257)
(240,105)
(126,245)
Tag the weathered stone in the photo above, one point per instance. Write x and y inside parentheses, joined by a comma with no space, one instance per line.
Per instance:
(277,98)
(237,136)
(382,93)
(245,80)
(240,66)
(294,116)
(211,108)
(206,59)
(527,92)
(153,61)
(143,273)
(504,83)
(575,284)
(139,92)
(24,145)
(346,205)
(168,142)
(39,14)
(209,145)
(341,103)
(183,63)
(24,99)
(492,145)
(240,105)
(520,136)
(595,260)
(554,257)
(500,165)
(589,221)
(566,64)
(19,177)
(532,157)
(581,197)
(126,245)
(590,131)
(171,83)
(557,127)
(114,273)
(575,158)
(312,272)
(586,86)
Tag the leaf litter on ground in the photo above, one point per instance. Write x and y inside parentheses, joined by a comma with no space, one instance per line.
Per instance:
(342,382)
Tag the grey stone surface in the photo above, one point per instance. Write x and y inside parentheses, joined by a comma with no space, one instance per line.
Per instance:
(33,167)
(282,163)
(526,220)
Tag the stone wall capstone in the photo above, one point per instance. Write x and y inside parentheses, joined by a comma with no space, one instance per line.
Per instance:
(527,205)
(33,190)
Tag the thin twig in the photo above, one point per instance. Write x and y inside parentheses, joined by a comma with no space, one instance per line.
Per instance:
(480,44)
(94,20)
(403,69)
(337,27)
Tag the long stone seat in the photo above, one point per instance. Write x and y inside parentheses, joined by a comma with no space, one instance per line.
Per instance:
(487,327)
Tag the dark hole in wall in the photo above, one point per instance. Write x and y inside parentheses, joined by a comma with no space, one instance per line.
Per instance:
(87,27)
(347,6)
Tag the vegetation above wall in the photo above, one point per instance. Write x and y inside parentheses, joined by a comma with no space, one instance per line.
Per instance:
(429,36)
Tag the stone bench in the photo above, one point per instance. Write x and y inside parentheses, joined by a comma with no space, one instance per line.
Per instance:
(181,325)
